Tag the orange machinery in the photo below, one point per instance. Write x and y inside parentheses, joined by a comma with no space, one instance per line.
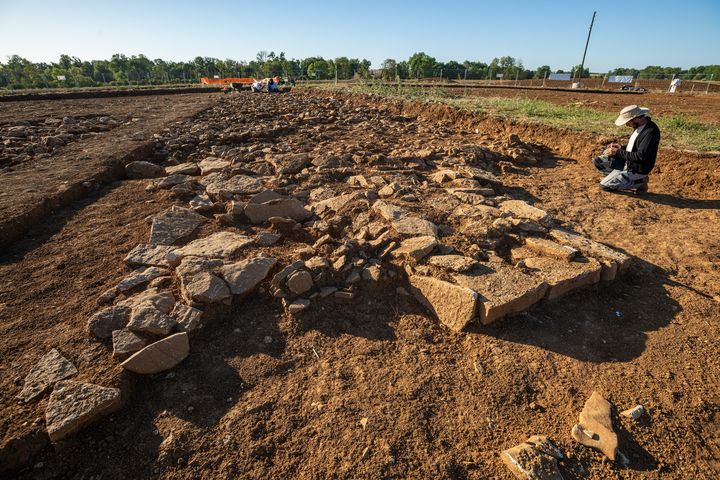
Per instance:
(228,81)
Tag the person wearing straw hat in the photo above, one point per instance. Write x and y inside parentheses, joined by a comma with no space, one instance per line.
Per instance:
(628,167)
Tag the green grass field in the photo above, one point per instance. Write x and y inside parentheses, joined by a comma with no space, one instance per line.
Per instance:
(678,131)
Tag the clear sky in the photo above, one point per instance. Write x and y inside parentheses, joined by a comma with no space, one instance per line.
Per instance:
(631,33)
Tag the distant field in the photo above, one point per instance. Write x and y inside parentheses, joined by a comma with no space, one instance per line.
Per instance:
(687,121)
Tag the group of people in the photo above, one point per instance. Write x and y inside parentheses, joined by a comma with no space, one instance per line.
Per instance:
(627,168)
(269,84)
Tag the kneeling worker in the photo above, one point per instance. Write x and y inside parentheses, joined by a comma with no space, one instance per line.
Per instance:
(627,168)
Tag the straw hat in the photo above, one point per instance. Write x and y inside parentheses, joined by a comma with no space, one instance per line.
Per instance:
(630,112)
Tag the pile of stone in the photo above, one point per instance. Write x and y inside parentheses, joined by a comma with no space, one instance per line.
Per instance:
(433,222)
(32,139)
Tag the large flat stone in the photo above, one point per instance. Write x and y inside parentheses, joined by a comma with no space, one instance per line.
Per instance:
(174,224)
(141,169)
(453,263)
(550,248)
(104,322)
(504,290)
(564,277)
(73,405)
(148,255)
(141,276)
(388,211)
(283,207)
(189,168)
(244,276)
(222,186)
(51,368)
(162,300)
(453,305)
(527,462)
(335,204)
(159,356)
(211,165)
(218,245)
(612,260)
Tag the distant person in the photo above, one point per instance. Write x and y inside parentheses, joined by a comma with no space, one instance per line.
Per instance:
(628,167)
(272,85)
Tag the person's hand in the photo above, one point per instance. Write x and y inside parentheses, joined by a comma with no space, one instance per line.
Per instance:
(611,150)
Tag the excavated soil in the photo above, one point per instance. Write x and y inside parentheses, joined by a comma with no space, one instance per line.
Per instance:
(374,386)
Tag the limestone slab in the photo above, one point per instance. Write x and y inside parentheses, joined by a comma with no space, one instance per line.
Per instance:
(283,207)
(244,276)
(595,427)
(174,224)
(159,356)
(454,305)
(104,322)
(51,368)
(415,248)
(223,244)
(126,342)
(148,255)
(74,405)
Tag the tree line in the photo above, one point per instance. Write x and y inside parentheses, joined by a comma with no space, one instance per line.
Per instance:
(18,72)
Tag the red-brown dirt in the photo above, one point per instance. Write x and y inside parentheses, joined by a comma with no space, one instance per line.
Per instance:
(437,404)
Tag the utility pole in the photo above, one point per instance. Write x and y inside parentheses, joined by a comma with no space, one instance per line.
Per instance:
(582,64)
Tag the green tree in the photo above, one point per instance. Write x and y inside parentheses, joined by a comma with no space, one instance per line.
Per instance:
(421,65)
(543,71)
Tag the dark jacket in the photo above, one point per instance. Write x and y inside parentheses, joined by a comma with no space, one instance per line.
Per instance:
(642,157)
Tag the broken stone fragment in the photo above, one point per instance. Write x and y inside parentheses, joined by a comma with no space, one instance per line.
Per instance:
(298,305)
(591,248)
(634,413)
(453,263)
(372,272)
(415,248)
(244,276)
(148,319)
(104,322)
(454,305)
(267,239)
(139,277)
(140,169)
(595,427)
(159,356)
(189,168)
(334,204)
(221,186)
(201,203)
(204,287)
(148,255)
(162,300)
(73,405)
(283,207)
(51,368)
(172,180)
(564,277)
(388,211)
(415,226)
(211,165)
(218,245)
(527,462)
(300,282)
(550,248)
(522,210)
(174,224)
(187,318)
(126,342)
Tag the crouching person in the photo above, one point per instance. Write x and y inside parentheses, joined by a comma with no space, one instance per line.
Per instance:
(627,168)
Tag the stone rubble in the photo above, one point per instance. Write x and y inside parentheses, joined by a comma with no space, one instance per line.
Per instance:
(49,370)
(73,405)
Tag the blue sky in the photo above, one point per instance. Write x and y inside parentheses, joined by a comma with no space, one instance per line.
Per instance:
(626,33)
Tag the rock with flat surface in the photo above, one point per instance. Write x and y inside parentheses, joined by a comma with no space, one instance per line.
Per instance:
(265,196)
(204,287)
(172,180)
(159,356)
(141,276)
(201,203)
(148,319)
(415,248)
(189,168)
(300,282)
(74,405)
(550,248)
(148,255)
(454,305)
(104,322)
(479,174)
(126,342)
(595,427)
(224,187)
(415,226)
(174,224)
(523,210)
(51,368)
(266,239)
(290,164)
(223,245)
(244,276)
(283,207)
(335,204)
(613,261)
(187,318)
(528,463)
(140,169)
(503,290)
(162,300)
(211,165)
(388,211)
(453,263)
(564,277)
